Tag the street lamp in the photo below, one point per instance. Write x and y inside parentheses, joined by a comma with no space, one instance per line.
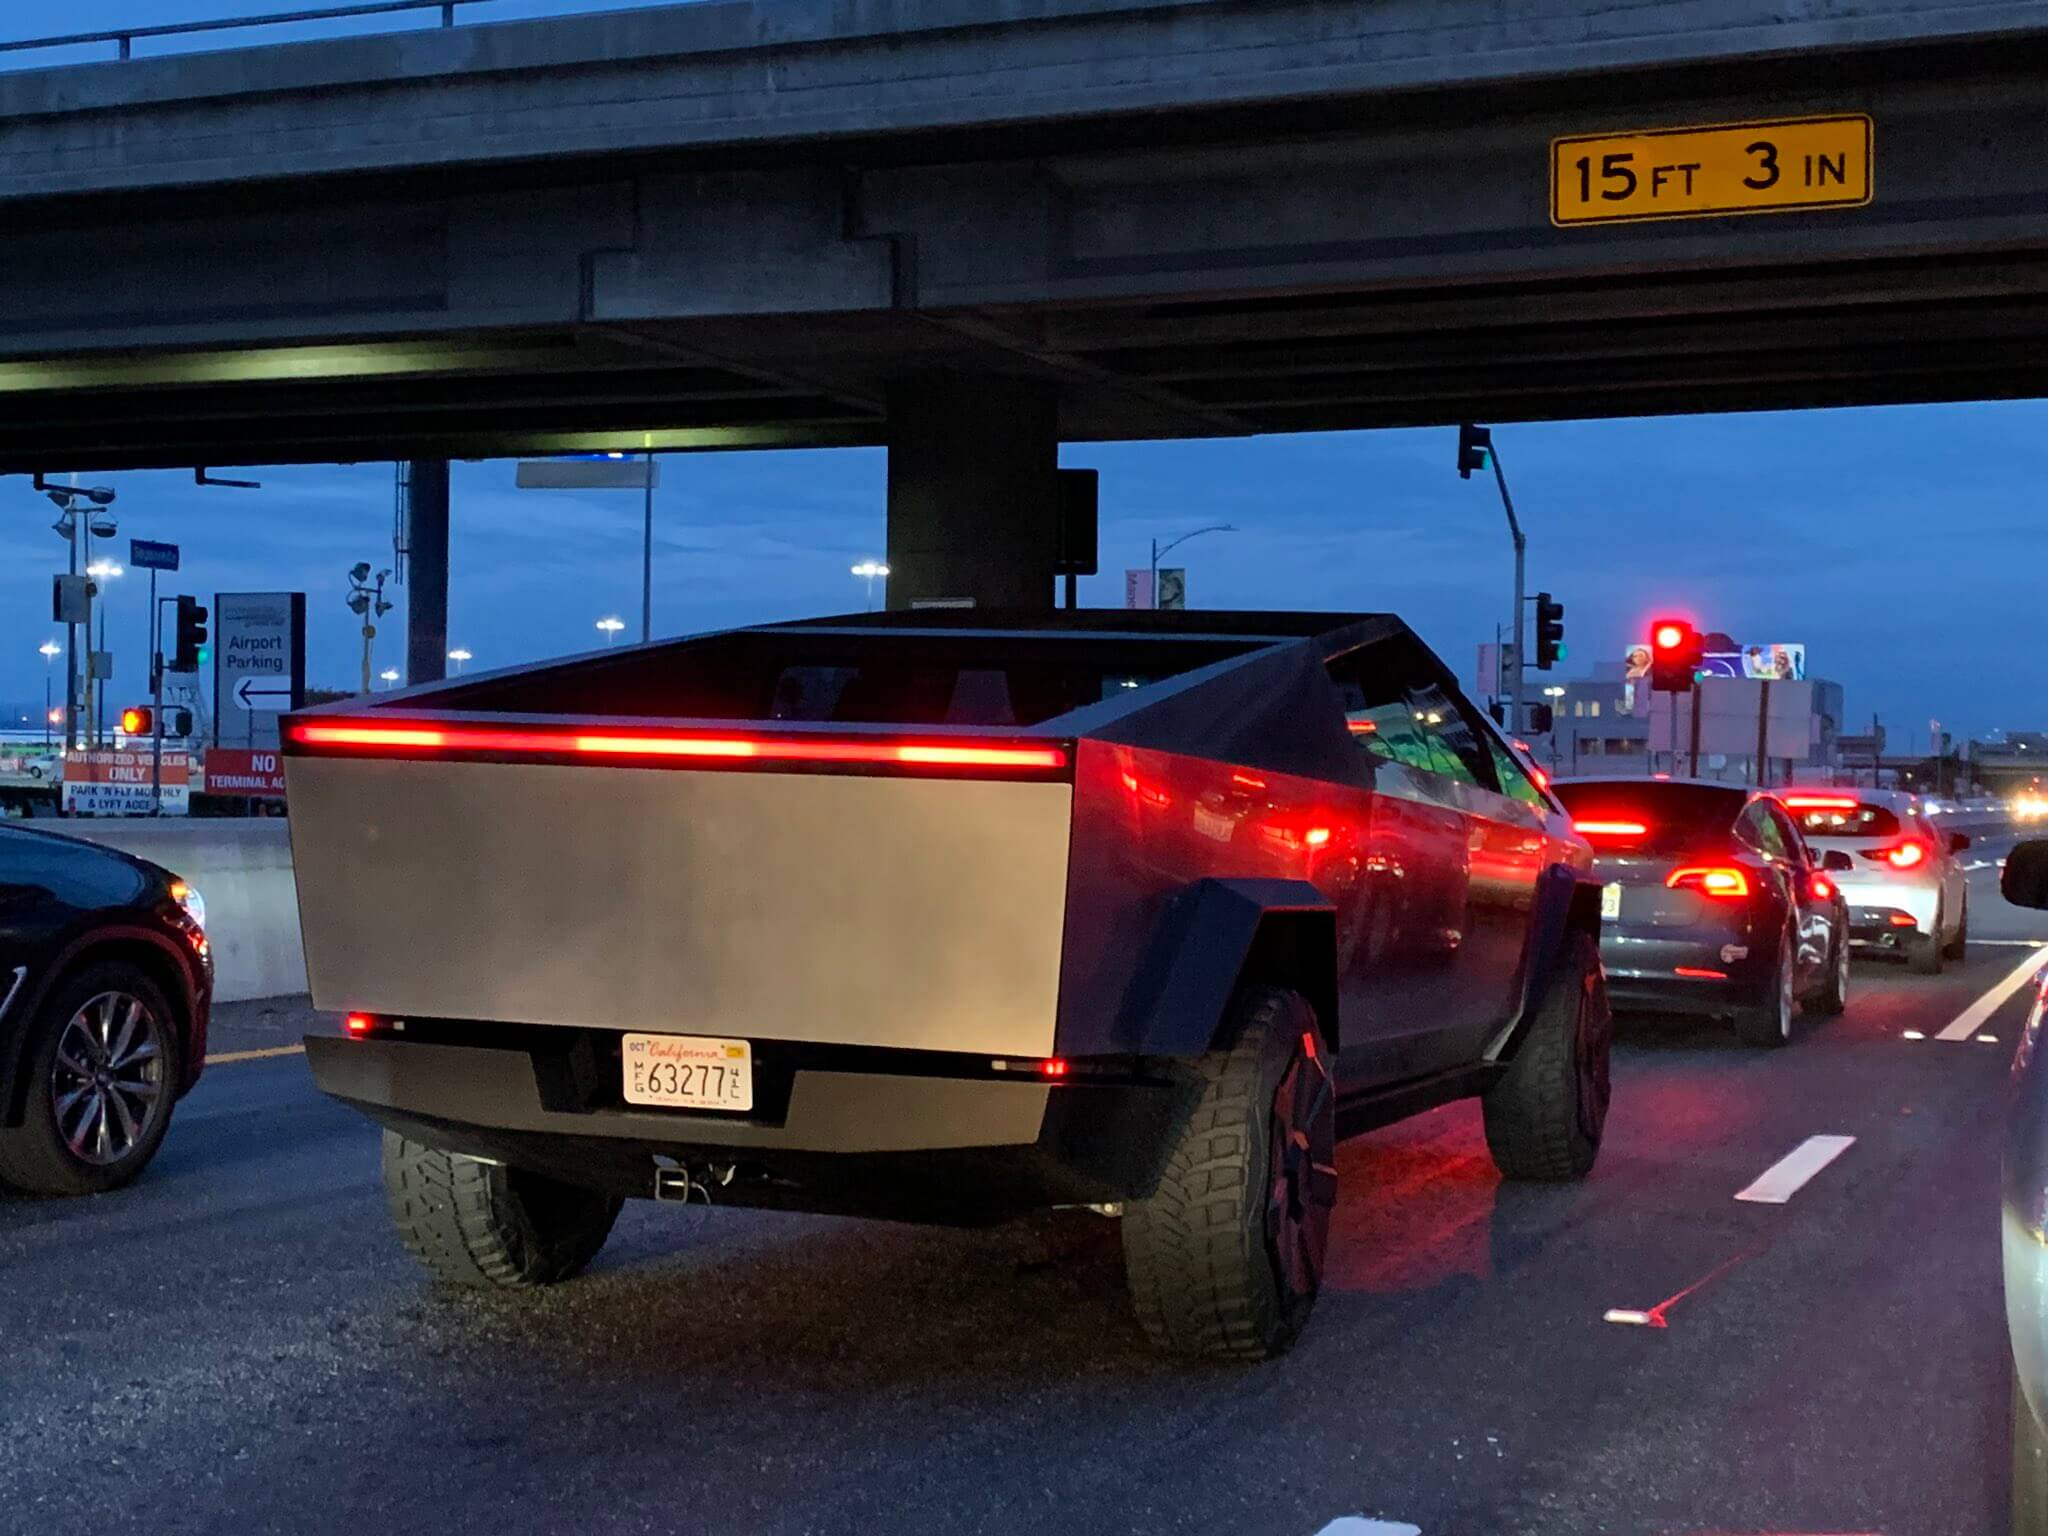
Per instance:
(51,650)
(367,602)
(611,626)
(99,570)
(68,526)
(868,570)
(459,656)
(1159,549)
(389,674)
(1476,451)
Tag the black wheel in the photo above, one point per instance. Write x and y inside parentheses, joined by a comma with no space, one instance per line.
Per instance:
(1768,1021)
(1959,946)
(1545,1116)
(1924,952)
(1225,1258)
(479,1224)
(1832,996)
(101,1059)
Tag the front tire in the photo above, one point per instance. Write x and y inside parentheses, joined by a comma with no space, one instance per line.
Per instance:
(103,1059)
(1545,1116)
(478,1224)
(1225,1258)
(1768,1021)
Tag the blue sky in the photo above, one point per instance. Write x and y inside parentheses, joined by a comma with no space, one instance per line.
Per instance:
(1901,545)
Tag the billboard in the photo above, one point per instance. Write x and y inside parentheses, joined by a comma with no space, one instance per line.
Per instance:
(259,664)
(108,783)
(1775,663)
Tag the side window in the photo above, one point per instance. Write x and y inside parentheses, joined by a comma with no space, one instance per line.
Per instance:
(1758,830)
(1514,782)
(1396,709)
(1788,834)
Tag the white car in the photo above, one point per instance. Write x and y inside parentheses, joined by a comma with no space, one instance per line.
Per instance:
(1906,889)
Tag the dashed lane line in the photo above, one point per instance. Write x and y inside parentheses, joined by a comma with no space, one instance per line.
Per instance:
(1788,1175)
(1965,1024)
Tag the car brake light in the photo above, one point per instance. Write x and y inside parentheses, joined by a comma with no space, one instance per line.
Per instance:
(1907,854)
(1822,887)
(1315,837)
(1698,973)
(1610,828)
(1052,1066)
(670,744)
(1822,802)
(357,1023)
(1714,880)
(1903,920)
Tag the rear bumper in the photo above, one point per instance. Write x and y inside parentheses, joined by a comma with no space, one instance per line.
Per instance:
(1872,908)
(917,1146)
(1711,974)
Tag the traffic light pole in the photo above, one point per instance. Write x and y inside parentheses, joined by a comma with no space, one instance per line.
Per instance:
(156,699)
(1521,554)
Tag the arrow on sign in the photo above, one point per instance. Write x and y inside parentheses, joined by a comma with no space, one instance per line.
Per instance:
(246,692)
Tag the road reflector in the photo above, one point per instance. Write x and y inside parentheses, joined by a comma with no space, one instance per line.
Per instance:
(1785,165)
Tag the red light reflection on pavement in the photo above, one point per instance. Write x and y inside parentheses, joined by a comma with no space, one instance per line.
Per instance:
(1655,1317)
(1417,1208)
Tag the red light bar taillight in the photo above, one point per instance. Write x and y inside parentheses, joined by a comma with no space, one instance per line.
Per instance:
(1730,884)
(409,740)
(1610,828)
(1822,802)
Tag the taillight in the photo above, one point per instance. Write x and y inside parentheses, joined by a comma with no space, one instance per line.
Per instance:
(1822,802)
(1710,880)
(1906,855)
(1822,888)
(1610,828)
(357,1024)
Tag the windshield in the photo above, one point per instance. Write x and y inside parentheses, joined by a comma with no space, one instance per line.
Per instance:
(1648,817)
(1824,816)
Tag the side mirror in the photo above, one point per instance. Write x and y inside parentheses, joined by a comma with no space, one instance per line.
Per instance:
(1958,841)
(1836,860)
(2025,881)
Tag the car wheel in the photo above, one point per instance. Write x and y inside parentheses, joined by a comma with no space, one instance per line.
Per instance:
(1768,1021)
(1225,1258)
(1546,1114)
(1833,994)
(101,1058)
(1959,946)
(1924,952)
(479,1224)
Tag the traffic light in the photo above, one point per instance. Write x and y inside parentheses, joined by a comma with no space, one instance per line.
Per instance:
(1676,650)
(138,721)
(1542,719)
(191,636)
(1549,631)
(177,721)
(1474,444)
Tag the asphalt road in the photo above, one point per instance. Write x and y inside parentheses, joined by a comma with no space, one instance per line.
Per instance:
(236,1344)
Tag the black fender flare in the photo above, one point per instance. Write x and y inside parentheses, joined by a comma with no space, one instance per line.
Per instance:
(1566,902)
(1214,936)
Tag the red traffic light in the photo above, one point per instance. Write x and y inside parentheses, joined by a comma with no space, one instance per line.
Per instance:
(137,722)
(1676,649)
(1668,634)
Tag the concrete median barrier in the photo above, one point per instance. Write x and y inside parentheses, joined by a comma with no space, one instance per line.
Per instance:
(243,867)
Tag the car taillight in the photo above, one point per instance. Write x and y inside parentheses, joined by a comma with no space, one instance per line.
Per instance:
(1906,855)
(1822,802)
(1610,828)
(1710,880)
(1822,888)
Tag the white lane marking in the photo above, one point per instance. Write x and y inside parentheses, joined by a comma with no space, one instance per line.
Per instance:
(228,1058)
(1358,1525)
(2010,943)
(1784,1178)
(1967,1022)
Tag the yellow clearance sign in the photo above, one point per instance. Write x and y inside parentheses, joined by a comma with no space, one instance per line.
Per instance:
(1693,173)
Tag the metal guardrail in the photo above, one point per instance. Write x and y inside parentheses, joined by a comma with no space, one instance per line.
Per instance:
(124,37)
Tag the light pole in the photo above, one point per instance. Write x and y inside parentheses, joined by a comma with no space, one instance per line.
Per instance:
(459,656)
(69,526)
(367,602)
(1476,451)
(611,627)
(1159,549)
(868,570)
(99,571)
(51,650)
(389,674)
(1554,693)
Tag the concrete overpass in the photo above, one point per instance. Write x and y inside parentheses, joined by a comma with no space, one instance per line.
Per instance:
(970,229)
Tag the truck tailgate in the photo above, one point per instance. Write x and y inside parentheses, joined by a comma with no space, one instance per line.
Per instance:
(838,908)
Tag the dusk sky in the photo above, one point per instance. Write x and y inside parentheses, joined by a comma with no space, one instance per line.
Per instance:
(1900,545)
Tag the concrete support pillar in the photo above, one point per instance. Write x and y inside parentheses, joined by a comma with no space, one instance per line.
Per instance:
(973,491)
(426,574)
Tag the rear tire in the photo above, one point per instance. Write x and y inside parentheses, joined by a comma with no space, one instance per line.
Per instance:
(1833,994)
(1959,946)
(477,1224)
(1924,952)
(1768,1022)
(1545,1116)
(1225,1258)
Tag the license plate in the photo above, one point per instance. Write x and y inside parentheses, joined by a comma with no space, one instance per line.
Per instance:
(688,1072)
(1610,901)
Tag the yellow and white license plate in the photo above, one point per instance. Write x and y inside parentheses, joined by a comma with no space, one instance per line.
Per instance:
(688,1072)
(1610,901)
